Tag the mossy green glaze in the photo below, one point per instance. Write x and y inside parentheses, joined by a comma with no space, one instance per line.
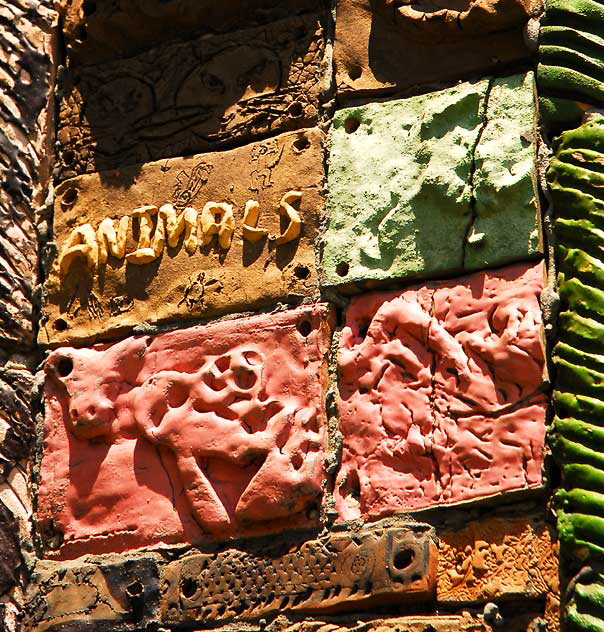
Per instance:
(585,299)
(576,179)
(433,184)
(585,607)
(571,50)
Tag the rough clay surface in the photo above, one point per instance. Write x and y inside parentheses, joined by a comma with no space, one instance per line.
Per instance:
(26,50)
(465,622)
(337,572)
(120,594)
(213,430)
(440,393)
(27,38)
(186,275)
(183,98)
(16,418)
(105,31)
(433,184)
(11,567)
(384,45)
(492,558)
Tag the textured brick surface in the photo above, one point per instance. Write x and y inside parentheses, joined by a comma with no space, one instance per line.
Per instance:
(489,560)
(434,184)
(99,285)
(104,31)
(182,98)
(338,572)
(383,45)
(493,558)
(27,40)
(465,622)
(16,418)
(120,594)
(26,48)
(440,393)
(215,430)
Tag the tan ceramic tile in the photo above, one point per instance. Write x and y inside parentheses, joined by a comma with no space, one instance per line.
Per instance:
(494,558)
(181,98)
(340,572)
(103,31)
(236,231)
(380,47)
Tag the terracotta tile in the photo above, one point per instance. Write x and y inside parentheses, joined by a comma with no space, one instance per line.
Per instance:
(441,393)
(211,431)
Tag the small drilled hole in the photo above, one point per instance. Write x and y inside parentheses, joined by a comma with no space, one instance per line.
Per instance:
(24,77)
(64,366)
(69,197)
(134,589)
(297,460)
(295,109)
(351,124)
(301,272)
(403,559)
(342,269)
(355,72)
(60,324)
(301,143)
(312,512)
(189,587)
(304,327)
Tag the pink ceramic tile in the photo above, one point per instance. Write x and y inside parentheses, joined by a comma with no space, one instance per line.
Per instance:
(213,430)
(441,393)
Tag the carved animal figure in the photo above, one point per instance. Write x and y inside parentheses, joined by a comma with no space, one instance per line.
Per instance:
(243,450)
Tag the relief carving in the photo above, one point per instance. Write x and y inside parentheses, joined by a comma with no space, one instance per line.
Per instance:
(338,572)
(435,22)
(491,558)
(441,393)
(104,31)
(216,218)
(228,240)
(387,45)
(218,89)
(204,429)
